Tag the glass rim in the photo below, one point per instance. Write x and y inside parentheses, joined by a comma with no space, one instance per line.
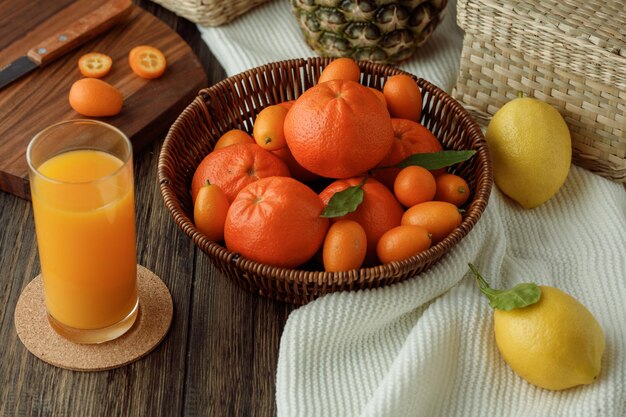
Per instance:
(35,138)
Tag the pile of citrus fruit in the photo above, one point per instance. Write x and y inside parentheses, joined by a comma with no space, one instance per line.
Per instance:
(345,176)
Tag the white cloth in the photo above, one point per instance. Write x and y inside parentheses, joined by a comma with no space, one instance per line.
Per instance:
(425,347)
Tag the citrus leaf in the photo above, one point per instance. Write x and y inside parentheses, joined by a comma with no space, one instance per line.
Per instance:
(344,202)
(436,160)
(520,296)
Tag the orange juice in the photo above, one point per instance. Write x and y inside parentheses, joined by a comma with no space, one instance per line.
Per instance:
(83,203)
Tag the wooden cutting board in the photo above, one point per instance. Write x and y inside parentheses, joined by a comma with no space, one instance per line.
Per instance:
(40,98)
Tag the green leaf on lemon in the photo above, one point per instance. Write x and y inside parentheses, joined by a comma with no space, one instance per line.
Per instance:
(436,160)
(345,201)
(520,296)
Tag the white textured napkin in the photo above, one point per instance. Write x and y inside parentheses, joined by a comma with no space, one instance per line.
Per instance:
(425,347)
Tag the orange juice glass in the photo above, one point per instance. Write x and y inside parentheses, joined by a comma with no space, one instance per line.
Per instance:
(81,183)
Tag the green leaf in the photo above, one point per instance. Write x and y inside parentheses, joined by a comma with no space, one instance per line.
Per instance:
(520,296)
(345,201)
(436,160)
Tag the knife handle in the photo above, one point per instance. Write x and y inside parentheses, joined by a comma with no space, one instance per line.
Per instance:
(80,31)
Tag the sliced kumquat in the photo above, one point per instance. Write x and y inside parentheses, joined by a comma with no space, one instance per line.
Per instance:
(147,61)
(95,65)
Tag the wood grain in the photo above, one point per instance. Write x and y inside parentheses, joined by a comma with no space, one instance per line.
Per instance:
(80,31)
(40,98)
(219,358)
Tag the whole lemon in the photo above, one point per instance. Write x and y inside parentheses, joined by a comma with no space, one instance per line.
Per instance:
(531,149)
(555,343)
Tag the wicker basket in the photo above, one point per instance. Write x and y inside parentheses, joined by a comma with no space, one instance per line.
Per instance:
(209,12)
(234,103)
(570,54)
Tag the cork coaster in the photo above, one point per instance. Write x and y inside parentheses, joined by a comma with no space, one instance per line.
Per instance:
(153,321)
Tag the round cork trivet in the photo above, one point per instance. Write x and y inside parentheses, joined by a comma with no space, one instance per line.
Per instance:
(153,321)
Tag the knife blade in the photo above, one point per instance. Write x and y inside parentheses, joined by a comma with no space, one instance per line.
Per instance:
(75,35)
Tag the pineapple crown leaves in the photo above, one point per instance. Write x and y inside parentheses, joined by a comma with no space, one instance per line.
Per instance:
(348,200)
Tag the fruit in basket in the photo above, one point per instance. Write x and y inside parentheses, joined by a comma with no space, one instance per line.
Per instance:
(209,211)
(378,212)
(268,126)
(379,94)
(402,242)
(344,247)
(378,31)
(341,69)
(409,138)
(403,97)
(413,185)
(297,171)
(233,137)
(531,149)
(438,217)
(338,129)
(236,166)
(451,188)
(276,221)
(96,98)
(287,104)
(545,335)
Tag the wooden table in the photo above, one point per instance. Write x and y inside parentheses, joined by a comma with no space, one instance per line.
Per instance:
(219,357)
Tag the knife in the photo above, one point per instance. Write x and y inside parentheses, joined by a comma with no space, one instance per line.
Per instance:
(75,35)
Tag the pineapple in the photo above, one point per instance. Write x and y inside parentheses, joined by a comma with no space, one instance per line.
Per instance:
(375,30)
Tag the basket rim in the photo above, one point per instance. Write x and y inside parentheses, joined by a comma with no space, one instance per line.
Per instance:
(324,278)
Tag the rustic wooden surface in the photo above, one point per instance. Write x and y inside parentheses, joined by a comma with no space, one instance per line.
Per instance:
(219,358)
(40,98)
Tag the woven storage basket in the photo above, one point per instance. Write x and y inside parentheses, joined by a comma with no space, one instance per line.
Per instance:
(235,102)
(209,12)
(571,54)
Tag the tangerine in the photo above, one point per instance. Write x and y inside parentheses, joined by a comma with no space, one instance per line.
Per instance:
(440,218)
(379,94)
(452,188)
(233,137)
(268,127)
(409,138)
(344,247)
(287,104)
(236,166)
(297,171)
(96,98)
(402,242)
(341,69)
(379,211)
(338,129)
(404,99)
(414,185)
(276,221)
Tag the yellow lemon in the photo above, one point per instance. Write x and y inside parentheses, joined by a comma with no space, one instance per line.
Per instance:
(531,149)
(555,343)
